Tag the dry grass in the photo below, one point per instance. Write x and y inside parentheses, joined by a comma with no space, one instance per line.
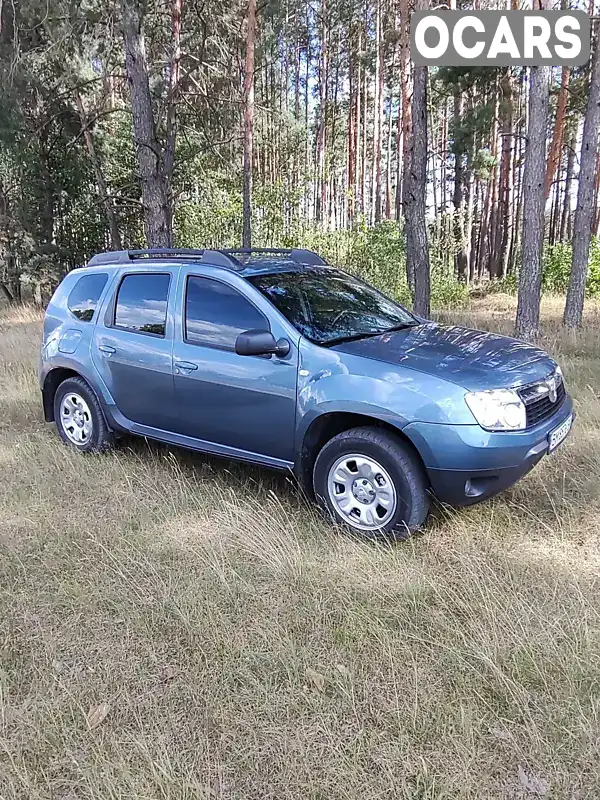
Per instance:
(244,649)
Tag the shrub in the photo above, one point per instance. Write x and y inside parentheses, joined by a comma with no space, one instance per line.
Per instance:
(557,268)
(211,217)
(378,255)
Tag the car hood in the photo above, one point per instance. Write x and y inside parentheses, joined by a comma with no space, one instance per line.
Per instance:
(470,358)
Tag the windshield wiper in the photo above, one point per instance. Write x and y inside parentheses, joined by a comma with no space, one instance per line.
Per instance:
(365,335)
(401,327)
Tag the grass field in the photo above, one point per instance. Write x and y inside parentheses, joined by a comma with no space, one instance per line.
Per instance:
(177,628)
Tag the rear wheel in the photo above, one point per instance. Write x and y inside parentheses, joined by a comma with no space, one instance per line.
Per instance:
(79,418)
(372,481)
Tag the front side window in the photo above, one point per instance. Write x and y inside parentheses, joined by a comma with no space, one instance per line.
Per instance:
(327,306)
(142,303)
(84,296)
(215,313)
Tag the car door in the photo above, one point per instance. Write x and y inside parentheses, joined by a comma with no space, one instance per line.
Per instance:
(132,346)
(242,402)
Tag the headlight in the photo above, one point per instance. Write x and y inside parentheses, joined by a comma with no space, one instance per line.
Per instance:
(498,409)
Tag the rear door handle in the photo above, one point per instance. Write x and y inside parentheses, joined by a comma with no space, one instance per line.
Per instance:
(106,348)
(185,366)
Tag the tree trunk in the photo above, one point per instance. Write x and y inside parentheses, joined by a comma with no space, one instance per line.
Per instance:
(568,181)
(443,156)
(530,278)
(297,57)
(596,224)
(417,249)
(558,134)
(308,211)
(115,236)
(398,192)
(468,228)
(405,86)
(555,208)
(495,227)
(352,93)
(363,156)
(378,118)
(482,255)
(517,215)
(460,257)
(388,162)
(432,149)
(321,195)
(357,141)
(473,251)
(334,196)
(585,211)
(10,279)
(173,89)
(506,176)
(157,216)
(6,293)
(248,122)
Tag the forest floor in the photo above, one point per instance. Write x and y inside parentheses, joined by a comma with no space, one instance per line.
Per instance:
(173,627)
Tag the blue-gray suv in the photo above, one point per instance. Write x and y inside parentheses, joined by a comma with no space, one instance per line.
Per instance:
(273,357)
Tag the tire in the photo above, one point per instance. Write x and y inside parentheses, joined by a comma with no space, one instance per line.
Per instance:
(87,430)
(384,492)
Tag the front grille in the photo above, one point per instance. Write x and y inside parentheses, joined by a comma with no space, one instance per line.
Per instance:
(538,405)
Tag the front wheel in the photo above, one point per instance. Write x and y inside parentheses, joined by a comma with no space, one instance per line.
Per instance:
(372,481)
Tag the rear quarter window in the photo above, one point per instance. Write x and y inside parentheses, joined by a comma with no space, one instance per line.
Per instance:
(83,297)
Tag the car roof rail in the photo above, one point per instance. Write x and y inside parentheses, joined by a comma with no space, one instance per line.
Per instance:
(307,257)
(110,257)
(217,257)
(220,258)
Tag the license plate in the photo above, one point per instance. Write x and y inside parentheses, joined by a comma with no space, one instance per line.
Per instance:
(559,434)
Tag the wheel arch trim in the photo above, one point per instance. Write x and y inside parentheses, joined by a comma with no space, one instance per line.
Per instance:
(320,427)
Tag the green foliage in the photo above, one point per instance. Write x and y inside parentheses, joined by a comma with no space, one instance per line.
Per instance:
(593,278)
(446,291)
(556,271)
(213,218)
(557,268)
(62,73)
(378,255)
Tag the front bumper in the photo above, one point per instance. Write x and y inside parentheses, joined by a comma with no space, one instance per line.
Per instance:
(467,464)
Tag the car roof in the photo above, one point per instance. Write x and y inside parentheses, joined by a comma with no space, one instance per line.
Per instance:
(243,261)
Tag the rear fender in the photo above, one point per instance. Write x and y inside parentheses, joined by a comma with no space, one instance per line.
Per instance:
(61,369)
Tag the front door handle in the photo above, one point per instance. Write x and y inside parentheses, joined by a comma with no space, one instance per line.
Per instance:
(106,348)
(185,366)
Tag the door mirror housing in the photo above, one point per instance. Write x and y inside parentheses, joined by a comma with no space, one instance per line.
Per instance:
(260,343)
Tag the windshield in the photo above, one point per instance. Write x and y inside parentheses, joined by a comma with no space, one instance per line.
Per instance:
(328,306)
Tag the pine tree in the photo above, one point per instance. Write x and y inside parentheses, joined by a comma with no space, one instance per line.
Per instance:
(585,211)
(530,277)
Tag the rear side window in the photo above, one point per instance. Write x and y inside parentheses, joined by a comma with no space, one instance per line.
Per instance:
(84,296)
(216,313)
(142,303)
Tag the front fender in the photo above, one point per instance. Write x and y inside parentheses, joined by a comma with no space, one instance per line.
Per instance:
(397,395)
(333,382)
(309,413)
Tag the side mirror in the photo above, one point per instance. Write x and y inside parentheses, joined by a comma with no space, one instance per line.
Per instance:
(260,343)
